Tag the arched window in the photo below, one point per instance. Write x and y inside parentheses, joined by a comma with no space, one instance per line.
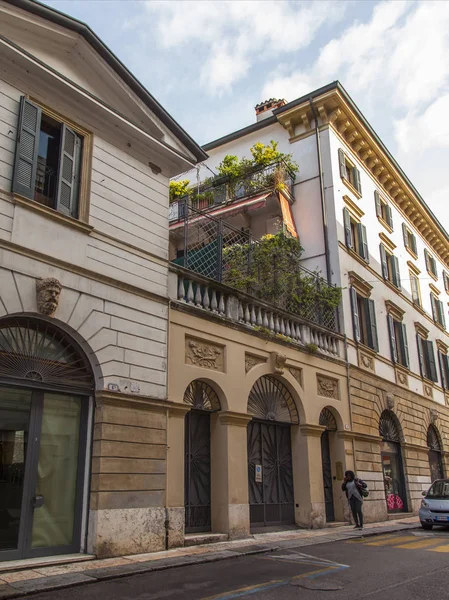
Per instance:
(435,458)
(328,420)
(270,400)
(391,456)
(389,428)
(201,396)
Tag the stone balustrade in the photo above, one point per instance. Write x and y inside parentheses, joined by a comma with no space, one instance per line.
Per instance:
(196,291)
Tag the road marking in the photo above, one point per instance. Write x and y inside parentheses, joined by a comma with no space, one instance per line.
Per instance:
(421,544)
(245,591)
(440,549)
(391,541)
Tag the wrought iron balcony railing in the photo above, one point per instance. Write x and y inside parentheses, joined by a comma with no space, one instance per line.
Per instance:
(224,190)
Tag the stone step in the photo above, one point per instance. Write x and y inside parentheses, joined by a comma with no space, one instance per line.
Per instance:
(404,515)
(196,539)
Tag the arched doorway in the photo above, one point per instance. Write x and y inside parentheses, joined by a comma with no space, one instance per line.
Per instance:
(197,468)
(392,466)
(270,473)
(327,419)
(435,455)
(45,385)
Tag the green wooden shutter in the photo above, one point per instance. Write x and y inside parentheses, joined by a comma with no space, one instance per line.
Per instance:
(378,203)
(433,302)
(442,318)
(389,215)
(446,369)
(383,261)
(393,341)
(414,246)
(444,380)
(355,314)
(422,364)
(395,270)
(427,257)
(342,161)
(27,148)
(415,290)
(431,361)
(405,235)
(363,242)
(433,265)
(348,231)
(69,169)
(357,184)
(405,346)
(372,325)
(446,281)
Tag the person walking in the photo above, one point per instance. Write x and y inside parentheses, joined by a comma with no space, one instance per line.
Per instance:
(353,486)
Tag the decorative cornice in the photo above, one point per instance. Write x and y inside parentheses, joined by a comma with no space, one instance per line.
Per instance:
(234,418)
(387,242)
(335,112)
(434,289)
(442,346)
(361,286)
(413,268)
(394,310)
(353,208)
(312,430)
(419,328)
(368,437)
(109,398)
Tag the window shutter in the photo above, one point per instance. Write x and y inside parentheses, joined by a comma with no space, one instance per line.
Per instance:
(348,232)
(442,319)
(363,242)
(358,185)
(433,265)
(372,325)
(393,341)
(431,358)
(405,346)
(446,369)
(378,203)
(426,257)
(389,215)
(68,176)
(433,302)
(405,234)
(383,261)
(415,289)
(355,314)
(27,147)
(414,246)
(342,161)
(441,357)
(396,274)
(419,343)
(446,281)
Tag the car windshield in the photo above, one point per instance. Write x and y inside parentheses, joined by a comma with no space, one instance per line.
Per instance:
(439,490)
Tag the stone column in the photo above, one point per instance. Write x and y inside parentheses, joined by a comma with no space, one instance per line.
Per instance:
(175,500)
(229,474)
(308,476)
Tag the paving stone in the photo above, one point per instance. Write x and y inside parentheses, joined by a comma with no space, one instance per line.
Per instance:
(120,571)
(7,591)
(49,583)
(256,549)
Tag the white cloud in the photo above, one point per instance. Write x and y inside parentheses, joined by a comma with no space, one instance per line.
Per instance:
(233,36)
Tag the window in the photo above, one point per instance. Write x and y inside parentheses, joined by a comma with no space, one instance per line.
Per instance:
(349,172)
(355,235)
(383,210)
(364,320)
(431,264)
(437,310)
(426,358)
(444,369)
(446,281)
(390,267)
(409,240)
(416,292)
(398,341)
(47,166)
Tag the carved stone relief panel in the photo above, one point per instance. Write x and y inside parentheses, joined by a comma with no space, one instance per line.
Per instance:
(428,391)
(297,374)
(327,387)
(401,378)
(202,353)
(278,362)
(251,361)
(366,360)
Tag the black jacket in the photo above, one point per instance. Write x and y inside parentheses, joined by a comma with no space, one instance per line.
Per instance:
(359,483)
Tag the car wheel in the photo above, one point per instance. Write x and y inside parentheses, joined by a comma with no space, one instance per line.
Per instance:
(427,526)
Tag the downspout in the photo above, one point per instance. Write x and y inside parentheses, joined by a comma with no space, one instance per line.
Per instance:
(323,205)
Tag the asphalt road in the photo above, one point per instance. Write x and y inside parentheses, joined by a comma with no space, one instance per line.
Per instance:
(408,566)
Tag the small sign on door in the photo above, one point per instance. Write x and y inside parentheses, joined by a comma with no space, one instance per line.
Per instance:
(258,474)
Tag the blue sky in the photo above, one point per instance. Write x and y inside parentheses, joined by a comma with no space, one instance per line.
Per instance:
(210,62)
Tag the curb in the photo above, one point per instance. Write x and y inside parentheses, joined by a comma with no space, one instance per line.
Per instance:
(89,576)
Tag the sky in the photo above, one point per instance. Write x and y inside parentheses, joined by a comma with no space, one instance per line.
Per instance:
(210,62)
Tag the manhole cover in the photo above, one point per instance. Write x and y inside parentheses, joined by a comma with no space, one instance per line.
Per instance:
(317,584)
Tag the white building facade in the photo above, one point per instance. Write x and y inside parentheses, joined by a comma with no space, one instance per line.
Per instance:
(85,158)
(365,228)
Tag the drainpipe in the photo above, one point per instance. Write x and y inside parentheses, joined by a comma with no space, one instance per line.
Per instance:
(323,205)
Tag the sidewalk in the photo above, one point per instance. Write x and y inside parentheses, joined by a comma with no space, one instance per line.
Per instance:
(39,579)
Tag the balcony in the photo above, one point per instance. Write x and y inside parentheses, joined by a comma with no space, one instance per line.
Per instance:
(224,195)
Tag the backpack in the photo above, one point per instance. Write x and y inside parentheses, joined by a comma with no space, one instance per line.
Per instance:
(363,488)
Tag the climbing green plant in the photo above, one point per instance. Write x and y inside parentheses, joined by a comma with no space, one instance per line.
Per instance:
(178,189)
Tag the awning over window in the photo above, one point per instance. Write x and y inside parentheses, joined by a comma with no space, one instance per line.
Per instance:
(287,215)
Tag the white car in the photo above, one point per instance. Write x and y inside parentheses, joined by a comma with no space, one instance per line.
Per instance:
(435,505)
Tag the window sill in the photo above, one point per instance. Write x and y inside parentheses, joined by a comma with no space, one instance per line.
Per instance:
(356,255)
(349,185)
(391,285)
(52,214)
(413,254)
(434,277)
(385,224)
(440,326)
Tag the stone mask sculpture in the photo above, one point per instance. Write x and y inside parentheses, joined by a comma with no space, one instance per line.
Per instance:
(48,291)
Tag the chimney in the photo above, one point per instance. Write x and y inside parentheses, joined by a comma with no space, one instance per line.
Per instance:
(265,109)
